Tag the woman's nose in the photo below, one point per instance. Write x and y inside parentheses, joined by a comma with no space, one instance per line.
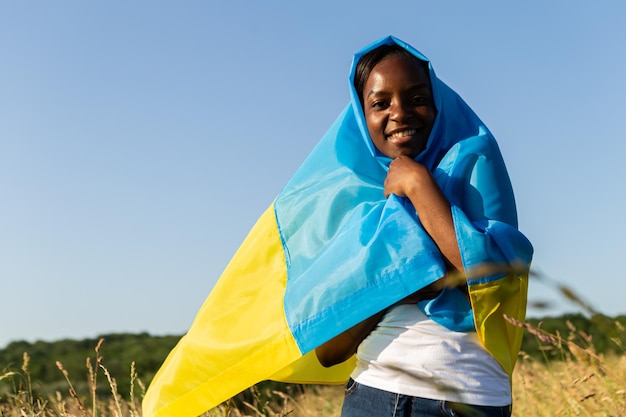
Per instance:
(399,111)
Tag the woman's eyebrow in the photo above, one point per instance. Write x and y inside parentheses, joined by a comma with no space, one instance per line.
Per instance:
(375,93)
(420,86)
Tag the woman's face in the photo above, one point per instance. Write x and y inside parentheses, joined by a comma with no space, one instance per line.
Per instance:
(398,106)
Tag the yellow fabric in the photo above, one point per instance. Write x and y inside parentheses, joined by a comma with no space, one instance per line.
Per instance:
(212,362)
(308,370)
(193,378)
(490,302)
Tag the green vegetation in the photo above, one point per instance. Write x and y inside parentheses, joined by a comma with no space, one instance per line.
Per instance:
(569,365)
(119,352)
(148,352)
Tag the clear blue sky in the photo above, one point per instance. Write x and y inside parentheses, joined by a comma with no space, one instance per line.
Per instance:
(140,141)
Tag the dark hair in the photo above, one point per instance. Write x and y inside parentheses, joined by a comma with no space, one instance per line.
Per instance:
(369,60)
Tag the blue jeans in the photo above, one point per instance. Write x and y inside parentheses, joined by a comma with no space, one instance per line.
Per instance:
(364,401)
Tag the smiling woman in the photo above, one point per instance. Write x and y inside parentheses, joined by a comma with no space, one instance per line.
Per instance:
(349,273)
(407,362)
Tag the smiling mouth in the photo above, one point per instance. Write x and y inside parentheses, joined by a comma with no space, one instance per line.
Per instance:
(405,134)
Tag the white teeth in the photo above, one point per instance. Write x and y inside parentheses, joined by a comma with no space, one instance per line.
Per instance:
(408,132)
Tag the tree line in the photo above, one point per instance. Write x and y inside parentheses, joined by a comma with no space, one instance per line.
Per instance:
(116,353)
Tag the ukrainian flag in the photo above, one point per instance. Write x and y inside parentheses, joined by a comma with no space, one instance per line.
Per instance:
(331,251)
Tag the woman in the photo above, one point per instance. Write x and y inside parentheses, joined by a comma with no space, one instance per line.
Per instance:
(405,192)
(407,363)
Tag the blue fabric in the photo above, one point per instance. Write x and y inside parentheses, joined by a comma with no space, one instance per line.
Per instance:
(351,252)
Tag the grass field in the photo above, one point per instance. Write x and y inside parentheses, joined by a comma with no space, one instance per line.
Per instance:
(580,383)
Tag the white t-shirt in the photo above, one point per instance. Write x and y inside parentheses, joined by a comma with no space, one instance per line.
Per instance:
(407,353)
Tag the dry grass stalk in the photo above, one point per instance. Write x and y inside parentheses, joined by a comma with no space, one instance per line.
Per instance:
(72,391)
(584,384)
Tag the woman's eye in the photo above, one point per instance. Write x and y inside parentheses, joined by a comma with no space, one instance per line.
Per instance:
(379,104)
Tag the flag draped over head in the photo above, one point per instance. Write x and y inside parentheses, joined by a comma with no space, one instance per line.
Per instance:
(332,251)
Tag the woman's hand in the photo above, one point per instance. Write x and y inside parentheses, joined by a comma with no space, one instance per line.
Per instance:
(404,176)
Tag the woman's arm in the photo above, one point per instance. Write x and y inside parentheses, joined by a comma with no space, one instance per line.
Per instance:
(342,347)
(407,178)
